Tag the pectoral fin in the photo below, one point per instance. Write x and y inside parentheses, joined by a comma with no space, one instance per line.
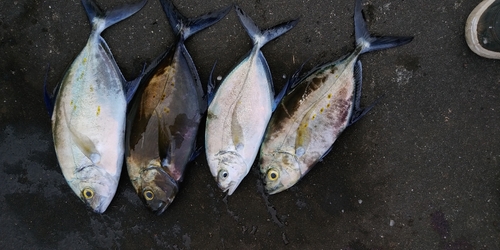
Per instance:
(84,143)
(86,146)
(166,143)
(236,132)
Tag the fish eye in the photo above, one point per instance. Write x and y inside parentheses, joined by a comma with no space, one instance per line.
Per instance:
(148,195)
(272,175)
(88,193)
(223,174)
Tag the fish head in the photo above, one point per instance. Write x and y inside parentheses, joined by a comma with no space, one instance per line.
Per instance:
(230,171)
(280,171)
(95,187)
(158,189)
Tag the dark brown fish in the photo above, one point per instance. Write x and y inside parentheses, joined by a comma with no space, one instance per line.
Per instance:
(165,116)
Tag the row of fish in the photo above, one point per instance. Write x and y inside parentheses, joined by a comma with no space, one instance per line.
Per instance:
(99,118)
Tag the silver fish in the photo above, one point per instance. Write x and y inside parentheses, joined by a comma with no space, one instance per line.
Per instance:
(240,110)
(88,119)
(319,107)
(166,114)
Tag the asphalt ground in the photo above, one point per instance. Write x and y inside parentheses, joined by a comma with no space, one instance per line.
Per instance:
(420,171)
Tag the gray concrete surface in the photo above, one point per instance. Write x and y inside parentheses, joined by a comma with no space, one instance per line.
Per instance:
(420,171)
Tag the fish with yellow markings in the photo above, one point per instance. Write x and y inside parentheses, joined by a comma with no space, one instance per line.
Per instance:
(88,115)
(319,107)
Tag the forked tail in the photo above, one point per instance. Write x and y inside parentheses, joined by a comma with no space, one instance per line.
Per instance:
(367,41)
(188,26)
(261,37)
(101,20)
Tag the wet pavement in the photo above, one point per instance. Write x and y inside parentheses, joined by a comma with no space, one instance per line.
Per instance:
(420,171)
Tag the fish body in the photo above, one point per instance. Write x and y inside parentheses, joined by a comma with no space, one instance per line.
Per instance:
(240,110)
(312,115)
(88,118)
(165,116)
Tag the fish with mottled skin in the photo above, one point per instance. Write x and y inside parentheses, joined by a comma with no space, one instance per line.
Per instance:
(240,110)
(166,114)
(88,116)
(318,108)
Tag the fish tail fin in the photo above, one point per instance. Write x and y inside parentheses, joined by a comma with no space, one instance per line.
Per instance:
(371,43)
(188,27)
(95,14)
(261,37)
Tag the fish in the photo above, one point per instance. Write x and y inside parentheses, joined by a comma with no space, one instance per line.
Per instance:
(240,109)
(316,109)
(88,113)
(166,114)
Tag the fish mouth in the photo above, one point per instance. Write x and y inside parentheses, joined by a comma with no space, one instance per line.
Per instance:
(162,207)
(224,189)
(274,189)
(99,208)
(99,202)
(230,188)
